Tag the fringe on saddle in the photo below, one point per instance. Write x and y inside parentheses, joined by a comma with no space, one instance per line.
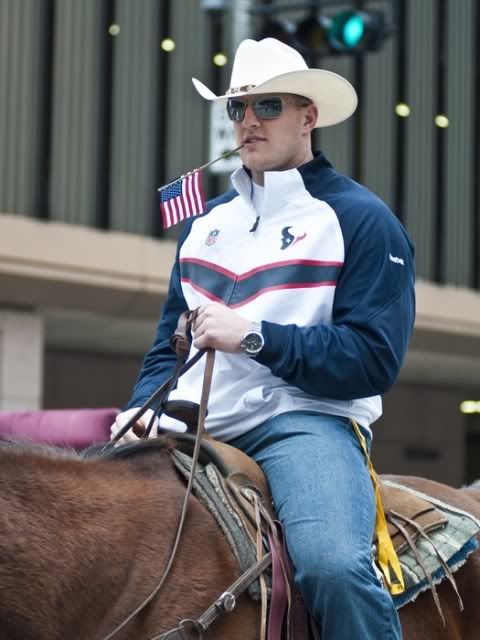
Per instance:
(233,488)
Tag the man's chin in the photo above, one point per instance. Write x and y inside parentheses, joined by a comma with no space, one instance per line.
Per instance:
(256,162)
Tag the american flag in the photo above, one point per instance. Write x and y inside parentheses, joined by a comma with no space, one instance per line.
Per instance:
(182,199)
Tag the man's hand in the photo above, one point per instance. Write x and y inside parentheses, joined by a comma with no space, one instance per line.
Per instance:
(140,426)
(218,327)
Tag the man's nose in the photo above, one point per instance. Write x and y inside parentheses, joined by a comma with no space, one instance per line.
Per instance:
(250,119)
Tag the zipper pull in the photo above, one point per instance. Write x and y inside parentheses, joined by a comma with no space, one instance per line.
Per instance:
(255,225)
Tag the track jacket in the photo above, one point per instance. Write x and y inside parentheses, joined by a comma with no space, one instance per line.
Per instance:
(329,273)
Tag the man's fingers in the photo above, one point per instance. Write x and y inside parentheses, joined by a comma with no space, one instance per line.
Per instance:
(139,429)
(200,342)
(199,319)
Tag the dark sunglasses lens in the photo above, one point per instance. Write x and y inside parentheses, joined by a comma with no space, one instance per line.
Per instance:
(268,108)
(235,109)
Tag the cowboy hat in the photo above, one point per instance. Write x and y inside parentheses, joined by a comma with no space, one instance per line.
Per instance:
(270,66)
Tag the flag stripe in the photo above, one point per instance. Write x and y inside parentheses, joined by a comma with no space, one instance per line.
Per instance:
(178,202)
(191,199)
(197,191)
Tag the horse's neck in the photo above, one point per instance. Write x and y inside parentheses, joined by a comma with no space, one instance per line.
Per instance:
(68,529)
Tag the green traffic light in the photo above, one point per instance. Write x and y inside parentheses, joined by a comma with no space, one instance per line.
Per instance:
(353,30)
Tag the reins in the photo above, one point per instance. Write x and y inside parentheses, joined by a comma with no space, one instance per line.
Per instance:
(276,557)
(180,344)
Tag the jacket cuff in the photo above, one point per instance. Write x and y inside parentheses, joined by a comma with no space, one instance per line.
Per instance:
(274,336)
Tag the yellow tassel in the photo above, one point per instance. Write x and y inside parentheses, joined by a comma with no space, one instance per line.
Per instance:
(387,556)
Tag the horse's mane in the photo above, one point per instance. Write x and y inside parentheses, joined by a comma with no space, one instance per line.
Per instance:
(96,452)
(21,446)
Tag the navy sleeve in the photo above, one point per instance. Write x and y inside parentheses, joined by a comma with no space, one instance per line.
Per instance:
(360,354)
(159,362)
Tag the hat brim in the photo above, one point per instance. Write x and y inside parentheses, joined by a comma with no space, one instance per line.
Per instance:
(334,96)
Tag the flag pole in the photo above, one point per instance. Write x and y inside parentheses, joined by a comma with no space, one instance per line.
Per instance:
(204,166)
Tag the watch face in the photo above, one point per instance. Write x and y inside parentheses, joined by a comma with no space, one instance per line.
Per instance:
(252,343)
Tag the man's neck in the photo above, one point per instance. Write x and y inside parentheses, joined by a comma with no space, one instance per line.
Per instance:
(258,177)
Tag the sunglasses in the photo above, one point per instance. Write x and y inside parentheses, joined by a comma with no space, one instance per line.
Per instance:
(263,108)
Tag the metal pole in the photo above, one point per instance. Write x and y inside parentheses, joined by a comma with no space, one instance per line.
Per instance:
(242,23)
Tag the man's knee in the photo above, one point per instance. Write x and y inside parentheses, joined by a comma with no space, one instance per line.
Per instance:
(336,575)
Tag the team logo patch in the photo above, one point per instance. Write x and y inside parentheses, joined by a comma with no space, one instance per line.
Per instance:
(212,237)
(289,238)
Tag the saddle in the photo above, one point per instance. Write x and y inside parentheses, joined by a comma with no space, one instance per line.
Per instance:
(404,512)
(408,516)
(242,475)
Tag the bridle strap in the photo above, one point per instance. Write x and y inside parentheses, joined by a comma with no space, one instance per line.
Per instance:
(227,601)
(224,604)
(207,382)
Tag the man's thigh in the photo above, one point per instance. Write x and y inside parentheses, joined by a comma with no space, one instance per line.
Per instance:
(319,481)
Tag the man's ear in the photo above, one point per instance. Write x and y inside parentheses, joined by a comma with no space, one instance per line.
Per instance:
(311,115)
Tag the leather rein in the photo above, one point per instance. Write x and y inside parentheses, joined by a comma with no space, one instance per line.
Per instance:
(180,344)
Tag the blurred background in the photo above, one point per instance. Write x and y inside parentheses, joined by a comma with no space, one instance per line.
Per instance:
(97,111)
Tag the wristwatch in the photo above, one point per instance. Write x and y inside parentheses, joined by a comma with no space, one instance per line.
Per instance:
(252,342)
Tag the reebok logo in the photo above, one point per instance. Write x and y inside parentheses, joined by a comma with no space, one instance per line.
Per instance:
(397,260)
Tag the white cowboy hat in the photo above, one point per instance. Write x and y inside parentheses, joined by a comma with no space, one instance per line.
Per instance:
(270,66)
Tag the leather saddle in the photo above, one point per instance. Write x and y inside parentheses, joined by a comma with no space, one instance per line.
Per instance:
(242,473)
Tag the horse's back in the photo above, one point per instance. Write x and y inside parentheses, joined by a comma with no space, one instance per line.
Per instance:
(459,498)
(420,619)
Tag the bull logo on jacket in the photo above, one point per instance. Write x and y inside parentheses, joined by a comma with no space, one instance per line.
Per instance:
(289,239)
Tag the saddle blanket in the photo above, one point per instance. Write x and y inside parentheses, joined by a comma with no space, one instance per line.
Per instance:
(455,541)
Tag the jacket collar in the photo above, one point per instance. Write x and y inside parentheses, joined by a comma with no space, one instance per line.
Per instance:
(282,185)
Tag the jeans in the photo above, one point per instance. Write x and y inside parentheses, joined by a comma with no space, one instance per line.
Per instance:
(322,493)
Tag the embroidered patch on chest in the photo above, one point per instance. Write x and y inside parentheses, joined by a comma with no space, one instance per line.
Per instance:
(289,238)
(212,237)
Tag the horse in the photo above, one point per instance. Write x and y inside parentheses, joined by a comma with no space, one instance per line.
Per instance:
(84,541)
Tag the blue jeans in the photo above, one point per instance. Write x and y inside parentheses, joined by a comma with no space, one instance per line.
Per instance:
(323,495)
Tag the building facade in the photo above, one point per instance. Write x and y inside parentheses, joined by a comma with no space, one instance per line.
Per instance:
(95,115)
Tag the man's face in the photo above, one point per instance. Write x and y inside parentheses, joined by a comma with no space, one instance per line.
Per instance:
(280,143)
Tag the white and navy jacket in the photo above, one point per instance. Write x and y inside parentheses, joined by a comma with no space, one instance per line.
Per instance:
(328,272)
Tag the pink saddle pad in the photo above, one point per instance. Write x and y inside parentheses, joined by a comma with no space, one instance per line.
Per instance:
(77,428)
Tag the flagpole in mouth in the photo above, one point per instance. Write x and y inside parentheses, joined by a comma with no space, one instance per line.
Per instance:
(204,166)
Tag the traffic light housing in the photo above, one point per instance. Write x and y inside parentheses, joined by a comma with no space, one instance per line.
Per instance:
(341,33)
(355,31)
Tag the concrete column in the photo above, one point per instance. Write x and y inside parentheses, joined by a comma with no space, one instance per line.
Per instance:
(241,21)
(21,360)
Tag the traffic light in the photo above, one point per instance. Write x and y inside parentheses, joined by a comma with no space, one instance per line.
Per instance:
(357,31)
(344,32)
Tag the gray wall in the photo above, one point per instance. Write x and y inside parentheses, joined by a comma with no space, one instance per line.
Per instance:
(75,379)
(422,433)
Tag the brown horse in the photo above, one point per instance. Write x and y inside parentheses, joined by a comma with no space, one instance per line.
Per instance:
(83,542)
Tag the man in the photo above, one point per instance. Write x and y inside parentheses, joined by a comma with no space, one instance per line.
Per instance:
(305,286)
